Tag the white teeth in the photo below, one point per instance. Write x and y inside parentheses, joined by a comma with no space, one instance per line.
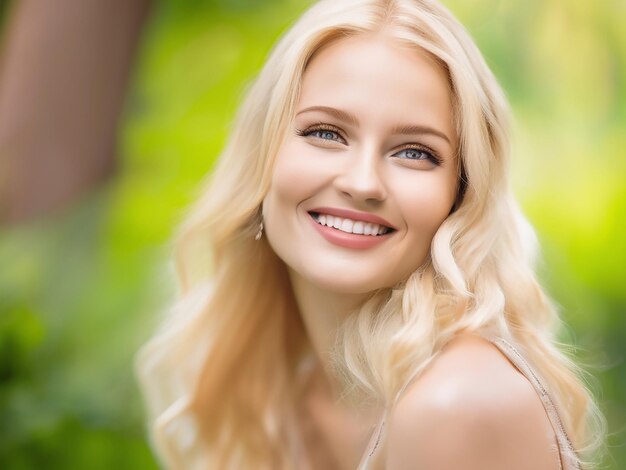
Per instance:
(351,226)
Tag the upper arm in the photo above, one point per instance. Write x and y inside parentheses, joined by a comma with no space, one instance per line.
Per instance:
(464,419)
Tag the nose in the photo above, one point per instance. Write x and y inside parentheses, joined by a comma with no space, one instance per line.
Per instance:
(360,178)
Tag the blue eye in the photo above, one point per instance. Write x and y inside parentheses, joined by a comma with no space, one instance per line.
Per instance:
(417,154)
(322,132)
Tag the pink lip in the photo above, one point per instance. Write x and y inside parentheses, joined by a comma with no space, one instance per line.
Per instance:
(348,240)
(354,215)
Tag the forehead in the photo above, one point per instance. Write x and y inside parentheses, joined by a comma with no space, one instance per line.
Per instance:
(379,79)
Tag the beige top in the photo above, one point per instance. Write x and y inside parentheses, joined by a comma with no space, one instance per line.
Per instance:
(567,455)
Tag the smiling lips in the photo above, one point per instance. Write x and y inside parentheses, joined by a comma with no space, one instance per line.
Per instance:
(350,229)
(357,227)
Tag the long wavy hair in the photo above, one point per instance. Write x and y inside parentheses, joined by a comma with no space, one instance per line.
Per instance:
(220,374)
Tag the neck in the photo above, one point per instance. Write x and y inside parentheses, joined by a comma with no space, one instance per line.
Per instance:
(323,312)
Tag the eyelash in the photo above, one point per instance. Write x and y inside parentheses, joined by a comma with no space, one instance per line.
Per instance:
(431,154)
(320,127)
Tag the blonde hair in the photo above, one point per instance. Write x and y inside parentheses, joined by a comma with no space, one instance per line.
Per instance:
(219,376)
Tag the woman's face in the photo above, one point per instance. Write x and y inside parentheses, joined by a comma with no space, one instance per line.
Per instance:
(367,172)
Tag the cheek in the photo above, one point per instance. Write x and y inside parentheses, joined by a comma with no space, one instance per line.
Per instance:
(426,204)
(297,176)
(293,178)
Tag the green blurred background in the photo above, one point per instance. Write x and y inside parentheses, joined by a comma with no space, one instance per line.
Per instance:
(80,293)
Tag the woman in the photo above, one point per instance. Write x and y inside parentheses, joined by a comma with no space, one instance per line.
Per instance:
(367,299)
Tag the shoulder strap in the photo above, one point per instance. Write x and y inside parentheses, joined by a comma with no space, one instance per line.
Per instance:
(567,454)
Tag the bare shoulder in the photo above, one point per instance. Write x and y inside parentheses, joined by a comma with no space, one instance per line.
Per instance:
(471,409)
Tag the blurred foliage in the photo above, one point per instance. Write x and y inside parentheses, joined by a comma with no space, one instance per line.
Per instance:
(80,293)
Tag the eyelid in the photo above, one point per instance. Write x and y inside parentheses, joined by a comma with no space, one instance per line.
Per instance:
(321,126)
(422,148)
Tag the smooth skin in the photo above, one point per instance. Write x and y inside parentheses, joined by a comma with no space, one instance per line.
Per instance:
(470,410)
(373,132)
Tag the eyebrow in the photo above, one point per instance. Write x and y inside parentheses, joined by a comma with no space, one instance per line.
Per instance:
(400,129)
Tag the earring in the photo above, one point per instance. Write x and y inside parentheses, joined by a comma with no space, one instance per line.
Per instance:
(259,234)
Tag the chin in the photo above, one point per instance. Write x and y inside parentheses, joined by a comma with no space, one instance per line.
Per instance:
(350,284)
